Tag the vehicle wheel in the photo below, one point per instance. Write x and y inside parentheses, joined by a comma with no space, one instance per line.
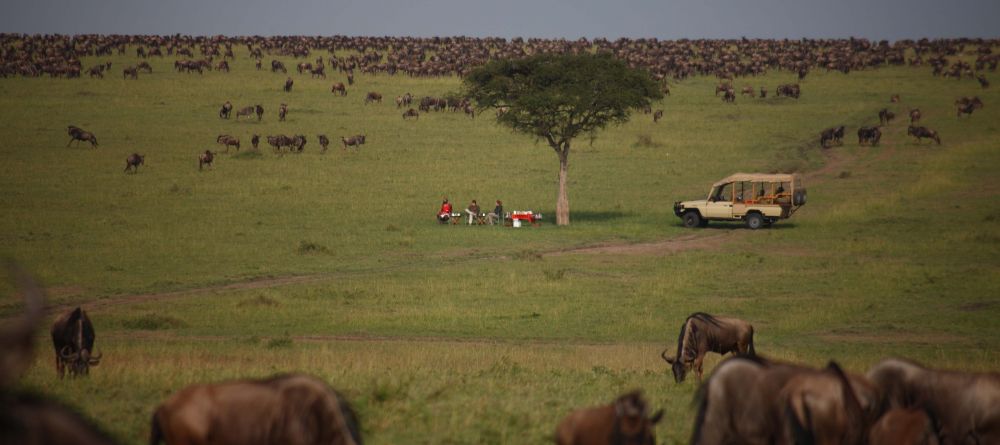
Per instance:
(691,219)
(755,221)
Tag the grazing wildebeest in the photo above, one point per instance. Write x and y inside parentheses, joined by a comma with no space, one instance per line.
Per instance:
(353,141)
(901,426)
(223,66)
(885,116)
(974,101)
(96,71)
(205,158)
(748,90)
(319,71)
(965,406)
(657,116)
(923,132)
(964,109)
(255,140)
(288,84)
(831,135)
(144,66)
(303,66)
(130,72)
(722,88)
(323,141)
(73,340)
(914,115)
(729,96)
(894,98)
(373,97)
(702,333)
(260,112)
(624,421)
(78,134)
(869,135)
(284,409)
(227,109)
(339,88)
(27,418)
(282,111)
(982,81)
(411,113)
(133,161)
(246,111)
(763,92)
(227,141)
(750,400)
(788,89)
(298,142)
(278,66)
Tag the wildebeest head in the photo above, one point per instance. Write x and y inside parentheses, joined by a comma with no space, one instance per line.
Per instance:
(73,339)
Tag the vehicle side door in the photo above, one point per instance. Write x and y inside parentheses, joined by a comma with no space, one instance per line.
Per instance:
(720,202)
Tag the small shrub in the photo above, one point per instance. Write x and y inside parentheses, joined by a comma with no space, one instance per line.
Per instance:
(306,248)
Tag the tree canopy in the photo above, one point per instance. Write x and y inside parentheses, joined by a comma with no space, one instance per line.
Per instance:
(557,97)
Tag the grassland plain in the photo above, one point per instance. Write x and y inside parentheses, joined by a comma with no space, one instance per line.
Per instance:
(445,334)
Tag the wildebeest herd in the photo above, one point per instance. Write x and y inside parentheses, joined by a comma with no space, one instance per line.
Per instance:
(871,135)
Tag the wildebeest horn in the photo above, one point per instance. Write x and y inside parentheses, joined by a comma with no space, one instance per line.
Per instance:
(665,358)
(95,359)
(64,353)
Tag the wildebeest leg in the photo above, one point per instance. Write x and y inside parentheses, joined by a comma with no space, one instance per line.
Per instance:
(698,361)
(71,139)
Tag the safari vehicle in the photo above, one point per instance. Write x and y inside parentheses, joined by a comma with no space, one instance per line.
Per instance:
(755,198)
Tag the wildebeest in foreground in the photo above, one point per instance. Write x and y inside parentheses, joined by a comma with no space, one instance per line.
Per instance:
(869,135)
(339,88)
(227,141)
(284,409)
(624,421)
(205,158)
(965,406)
(657,116)
(903,427)
(73,340)
(353,141)
(830,135)
(885,116)
(227,109)
(78,134)
(411,113)
(750,400)
(702,333)
(373,97)
(288,84)
(26,418)
(323,141)
(923,132)
(133,161)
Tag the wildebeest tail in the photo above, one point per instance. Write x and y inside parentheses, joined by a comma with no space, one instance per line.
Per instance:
(750,350)
(155,433)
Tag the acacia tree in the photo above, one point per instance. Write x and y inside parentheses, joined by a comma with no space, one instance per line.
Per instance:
(557,97)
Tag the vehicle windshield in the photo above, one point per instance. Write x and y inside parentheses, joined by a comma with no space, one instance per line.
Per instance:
(722,193)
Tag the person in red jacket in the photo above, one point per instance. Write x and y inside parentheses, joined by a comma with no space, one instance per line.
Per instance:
(445,213)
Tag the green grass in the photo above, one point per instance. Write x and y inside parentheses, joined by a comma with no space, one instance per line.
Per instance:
(455,334)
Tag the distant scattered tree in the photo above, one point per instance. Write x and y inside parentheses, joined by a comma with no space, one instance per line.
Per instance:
(557,97)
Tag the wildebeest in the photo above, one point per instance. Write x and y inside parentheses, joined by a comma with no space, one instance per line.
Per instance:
(885,116)
(133,161)
(323,141)
(96,71)
(144,66)
(255,140)
(763,92)
(26,418)
(284,409)
(411,113)
(788,89)
(914,115)
(869,135)
(260,112)
(702,333)
(303,66)
(750,400)
(923,132)
(282,112)
(470,111)
(278,66)
(894,98)
(965,406)
(657,116)
(350,77)
(226,110)
(624,421)
(205,158)
(246,111)
(339,88)
(901,426)
(73,339)
(288,84)
(373,97)
(982,81)
(228,141)
(78,134)
(964,109)
(748,90)
(130,72)
(299,142)
(223,66)
(722,88)
(319,71)
(974,101)
(404,100)
(729,96)
(353,141)
(831,135)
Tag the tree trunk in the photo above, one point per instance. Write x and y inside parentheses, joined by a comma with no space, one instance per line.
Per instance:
(562,203)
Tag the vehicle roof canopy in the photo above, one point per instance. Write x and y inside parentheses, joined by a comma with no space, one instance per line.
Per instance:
(761,177)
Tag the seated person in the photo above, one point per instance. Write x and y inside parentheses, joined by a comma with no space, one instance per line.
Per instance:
(497,213)
(473,211)
(445,213)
